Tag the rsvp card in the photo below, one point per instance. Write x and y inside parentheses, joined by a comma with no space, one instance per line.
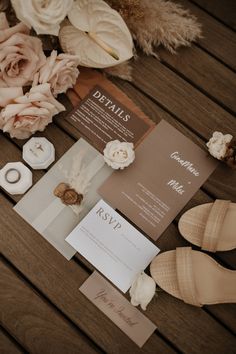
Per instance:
(168,170)
(112,245)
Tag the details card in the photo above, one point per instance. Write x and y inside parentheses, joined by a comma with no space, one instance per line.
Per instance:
(112,245)
(167,172)
(100,118)
(114,305)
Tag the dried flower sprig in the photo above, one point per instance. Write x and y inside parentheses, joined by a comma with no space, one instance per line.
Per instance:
(223,148)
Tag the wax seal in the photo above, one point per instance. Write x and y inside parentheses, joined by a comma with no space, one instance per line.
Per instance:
(15,178)
(39,153)
(68,195)
(60,190)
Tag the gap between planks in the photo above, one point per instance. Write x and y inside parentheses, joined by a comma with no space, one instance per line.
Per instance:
(44,314)
(8,343)
(216,14)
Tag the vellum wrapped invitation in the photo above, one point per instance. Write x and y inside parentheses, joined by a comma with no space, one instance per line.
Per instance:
(46,213)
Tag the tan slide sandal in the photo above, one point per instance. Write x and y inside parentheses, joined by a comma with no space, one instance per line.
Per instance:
(211,226)
(194,277)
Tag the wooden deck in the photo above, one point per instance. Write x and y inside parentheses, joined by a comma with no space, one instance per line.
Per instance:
(41,308)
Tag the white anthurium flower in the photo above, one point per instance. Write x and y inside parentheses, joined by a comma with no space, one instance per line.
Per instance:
(218,144)
(97,34)
(118,154)
(142,290)
(44,16)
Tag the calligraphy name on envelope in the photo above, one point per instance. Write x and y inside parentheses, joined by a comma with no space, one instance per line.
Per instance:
(116,307)
(168,170)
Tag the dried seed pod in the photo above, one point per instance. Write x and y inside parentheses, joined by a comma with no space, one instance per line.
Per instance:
(60,190)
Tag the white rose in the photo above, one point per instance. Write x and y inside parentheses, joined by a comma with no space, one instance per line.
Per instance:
(142,290)
(44,16)
(218,144)
(118,154)
(60,71)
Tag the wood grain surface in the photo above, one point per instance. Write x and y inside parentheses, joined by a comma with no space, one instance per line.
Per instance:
(7,346)
(41,308)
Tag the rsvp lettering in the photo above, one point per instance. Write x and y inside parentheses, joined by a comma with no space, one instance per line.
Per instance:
(108,218)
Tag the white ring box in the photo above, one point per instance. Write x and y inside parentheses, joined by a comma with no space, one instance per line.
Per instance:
(39,153)
(15,178)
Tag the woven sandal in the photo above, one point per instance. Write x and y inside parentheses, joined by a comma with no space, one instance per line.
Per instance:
(194,277)
(211,226)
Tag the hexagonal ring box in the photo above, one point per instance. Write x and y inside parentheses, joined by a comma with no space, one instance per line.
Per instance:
(15,178)
(39,153)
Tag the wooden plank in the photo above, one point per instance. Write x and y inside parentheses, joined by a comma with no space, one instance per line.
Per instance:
(165,237)
(41,327)
(204,72)
(7,346)
(44,266)
(187,104)
(152,109)
(217,39)
(22,245)
(156,113)
(225,10)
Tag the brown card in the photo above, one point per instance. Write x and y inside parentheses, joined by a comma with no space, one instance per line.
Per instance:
(167,172)
(105,113)
(120,311)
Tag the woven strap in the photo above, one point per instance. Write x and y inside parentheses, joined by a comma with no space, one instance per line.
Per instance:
(214,225)
(185,275)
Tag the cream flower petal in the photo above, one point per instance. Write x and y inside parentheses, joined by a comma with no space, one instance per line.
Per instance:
(142,290)
(7,94)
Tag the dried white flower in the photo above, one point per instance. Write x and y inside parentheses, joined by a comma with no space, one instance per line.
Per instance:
(218,144)
(118,154)
(142,290)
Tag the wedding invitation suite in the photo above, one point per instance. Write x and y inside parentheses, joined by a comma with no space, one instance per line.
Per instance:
(105,113)
(167,172)
(112,245)
(116,307)
(49,216)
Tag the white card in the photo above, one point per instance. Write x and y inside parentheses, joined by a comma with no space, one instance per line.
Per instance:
(112,245)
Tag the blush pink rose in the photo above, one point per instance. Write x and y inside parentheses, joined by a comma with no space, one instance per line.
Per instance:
(21,55)
(60,71)
(6,31)
(8,94)
(30,113)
